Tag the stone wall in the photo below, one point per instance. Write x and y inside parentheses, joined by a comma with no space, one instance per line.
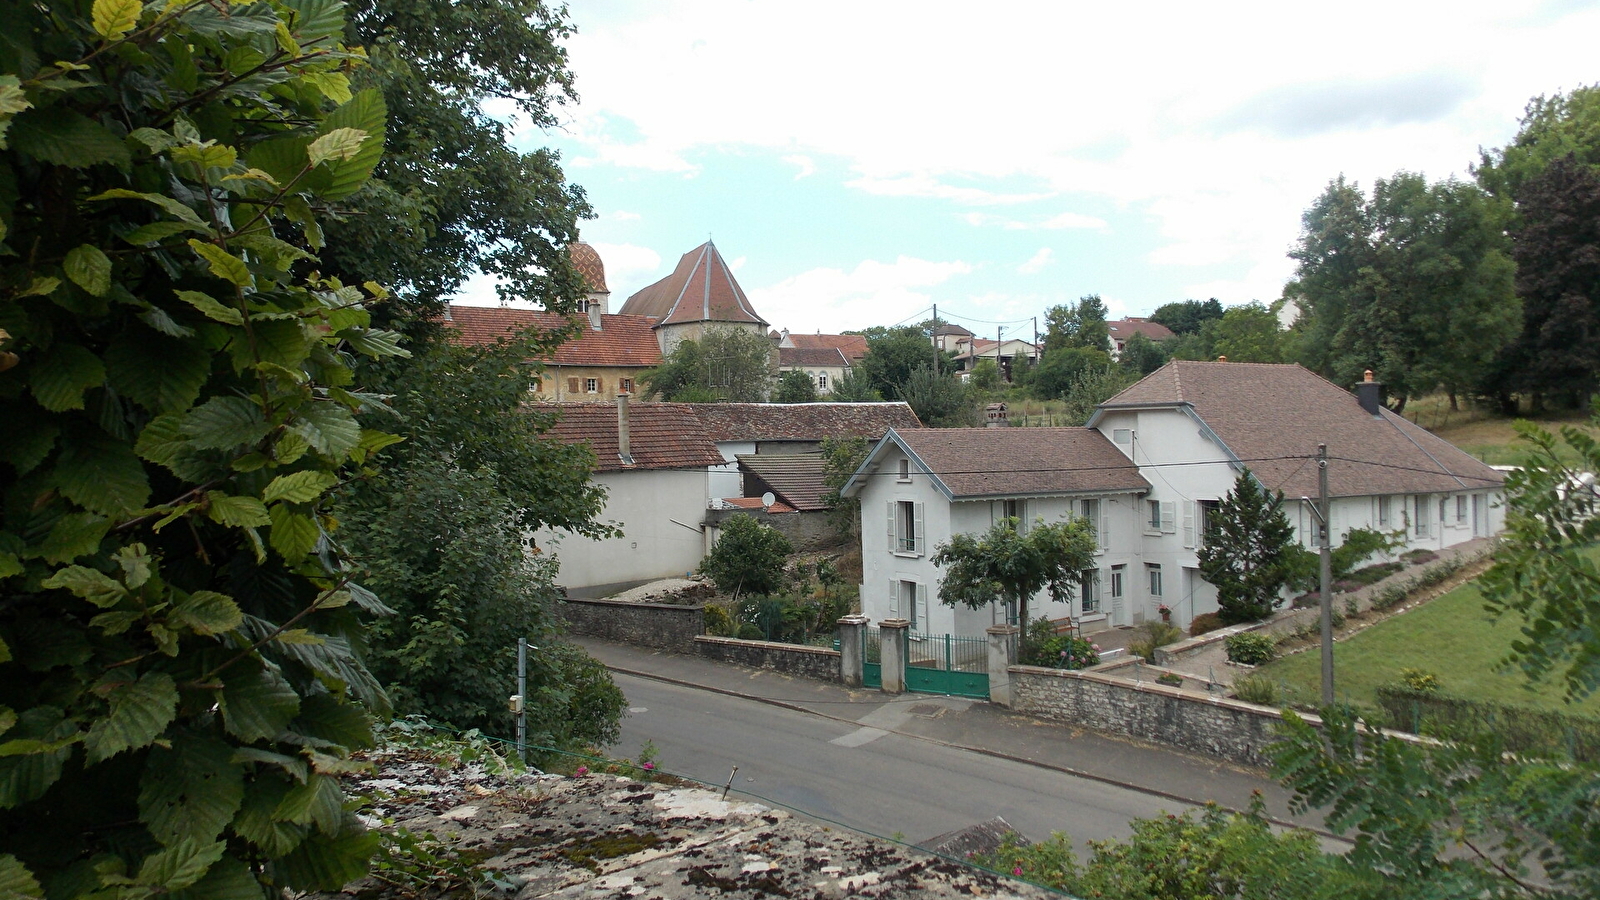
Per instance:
(1233,730)
(790,659)
(664,626)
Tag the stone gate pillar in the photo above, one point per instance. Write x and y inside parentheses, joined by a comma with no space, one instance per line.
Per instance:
(893,634)
(1002,656)
(852,632)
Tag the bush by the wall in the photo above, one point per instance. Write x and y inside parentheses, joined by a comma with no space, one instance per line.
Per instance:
(1256,688)
(1250,648)
(1061,651)
(1532,732)
(1203,623)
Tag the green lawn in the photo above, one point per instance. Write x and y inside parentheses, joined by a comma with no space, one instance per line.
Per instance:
(1451,636)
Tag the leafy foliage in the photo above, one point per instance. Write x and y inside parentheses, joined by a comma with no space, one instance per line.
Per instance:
(748,557)
(1060,651)
(180,686)
(1140,356)
(841,457)
(1009,566)
(724,364)
(795,387)
(1187,316)
(939,399)
(854,387)
(1247,333)
(1249,553)
(1059,371)
(1250,648)
(1082,325)
(893,354)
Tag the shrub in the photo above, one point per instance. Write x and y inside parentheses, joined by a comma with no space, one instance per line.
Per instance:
(1203,623)
(1061,651)
(1420,680)
(1153,635)
(1418,557)
(1170,679)
(750,631)
(1534,732)
(1249,648)
(718,623)
(1372,574)
(1256,688)
(748,557)
(1361,544)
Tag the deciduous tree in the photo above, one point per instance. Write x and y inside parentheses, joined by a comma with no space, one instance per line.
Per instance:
(1187,316)
(794,387)
(1247,333)
(1009,566)
(1081,325)
(894,353)
(939,399)
(748,557)
(723,364)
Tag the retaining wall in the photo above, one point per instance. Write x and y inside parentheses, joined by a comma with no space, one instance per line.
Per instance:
(664,626)
(790,659)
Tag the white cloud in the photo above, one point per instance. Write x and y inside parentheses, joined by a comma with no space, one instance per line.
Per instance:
(1074,220)
(618,215)
(926,186)
(1056,222)
(803,163)
(1037,262)
(873,293)
(629,267)
(737,264)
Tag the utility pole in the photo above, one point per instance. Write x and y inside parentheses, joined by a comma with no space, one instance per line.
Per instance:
(935,338)
(520,704)
(1325,589)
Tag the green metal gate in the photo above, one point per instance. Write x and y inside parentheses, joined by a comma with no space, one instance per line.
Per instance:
(948,664)
(871,658)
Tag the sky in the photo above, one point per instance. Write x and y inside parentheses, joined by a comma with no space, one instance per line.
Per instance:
(859,162)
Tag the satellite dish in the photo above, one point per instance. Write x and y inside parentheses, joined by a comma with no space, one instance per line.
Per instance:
(768,499)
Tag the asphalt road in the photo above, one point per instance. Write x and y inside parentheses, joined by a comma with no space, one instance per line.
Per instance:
(862,774)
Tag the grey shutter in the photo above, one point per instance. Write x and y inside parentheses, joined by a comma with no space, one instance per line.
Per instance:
(894,528)
(1169,514)
(922,607)
(921,535)
(1188,524)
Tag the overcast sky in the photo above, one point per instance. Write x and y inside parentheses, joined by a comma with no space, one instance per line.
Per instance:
(860,161)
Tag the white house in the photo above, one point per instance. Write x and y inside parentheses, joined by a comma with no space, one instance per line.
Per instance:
(918,488)
(1150,464)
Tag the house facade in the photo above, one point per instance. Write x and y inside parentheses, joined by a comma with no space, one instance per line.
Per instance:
(825,358)
(1120,330)
(1148,469)
(605,359)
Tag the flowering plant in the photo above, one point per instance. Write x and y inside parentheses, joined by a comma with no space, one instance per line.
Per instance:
(1063,651)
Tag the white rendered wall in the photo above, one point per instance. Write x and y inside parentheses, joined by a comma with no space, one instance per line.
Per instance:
(649,507)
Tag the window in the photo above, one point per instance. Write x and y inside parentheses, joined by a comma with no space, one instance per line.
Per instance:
(1384,515)
(1205,514)
(822,381)
(1419,524)
(1153,526)
(905,470)
(625,385)
(1122,435)
(1153,571)
(1089,511)
(1442,507)
(1016,509)
(583,306)
(1461,509)
(591,385)
(905,528)
(911,601)
(1116,581)
(1089,586)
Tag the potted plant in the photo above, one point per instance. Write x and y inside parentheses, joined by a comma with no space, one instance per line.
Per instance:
(1165,611)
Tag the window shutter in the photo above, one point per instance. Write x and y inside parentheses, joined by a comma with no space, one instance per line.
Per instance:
(572,385)
(894,599)
(1169,514)
(922,608)
(921,535)
(894,528)
(1104,537)
(1188,523)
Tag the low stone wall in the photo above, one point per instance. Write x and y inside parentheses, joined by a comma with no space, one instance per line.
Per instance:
(790,659)
(1233,730)
(664,626)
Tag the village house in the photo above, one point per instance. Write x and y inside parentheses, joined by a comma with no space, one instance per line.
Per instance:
(825,358)
(1178,440)
(1120,330)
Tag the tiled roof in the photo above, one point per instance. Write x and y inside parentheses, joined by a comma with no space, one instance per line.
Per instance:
(1272,417)
(795,478)
(1011,462)
(621,340)
(852,345)
(980,348)
(951,328)
(1122,329)
(662,435)
(803,421)
(809,356)
(588,264)
(700,289)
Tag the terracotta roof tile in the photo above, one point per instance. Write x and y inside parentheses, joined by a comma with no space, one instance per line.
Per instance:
(662,435)
(852,345)
(701,289)
(621,341)
(812,356)
(803,421)
(795,478)
(1011,462)
(1273,417)
(778,507)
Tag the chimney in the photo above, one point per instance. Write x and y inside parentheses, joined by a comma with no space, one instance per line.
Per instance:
(594,316)
(1370,394)
(624,445)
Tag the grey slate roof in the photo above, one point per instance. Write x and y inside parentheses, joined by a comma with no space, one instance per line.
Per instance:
(1271,417)
(795,478)
(802,421)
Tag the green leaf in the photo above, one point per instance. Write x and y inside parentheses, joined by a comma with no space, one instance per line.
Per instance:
(207,613)
(102,475)
(42,286)
(227,879)
(63,137)
(158,231)
(223,264)
(171,206)
(364,112)
(28,441)
(294,534)
(89,268)
(162,440)
(9,565)
(63,374)
(318,800)
(258,704)
(140,711)
(329,862)
(134,561)
(293,766)
(340,143)
(211,308)
(223,423)
(236,512)
(171,386)
(376,342)
(92,585)
(313,19)
(333,85)
(256,822)
(333,722)
(283,341)
(298,487)
(329,428)
(180,864)
(372,441)
(115,18)
(74,535)
(16,882)
(190,790)
(26,777)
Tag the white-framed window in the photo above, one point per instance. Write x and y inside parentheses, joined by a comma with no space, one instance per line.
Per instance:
(911,602)
(1461,508)
(1089,511)
(822,381)
(1016,509)
(625,385)
(1117,573)
(591,385)
(1089,590)
(1122,435)
(1152,524)
(906,537)
(583,306)
(1384,513)
(1419,522)
(905,470)
(1152,572)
